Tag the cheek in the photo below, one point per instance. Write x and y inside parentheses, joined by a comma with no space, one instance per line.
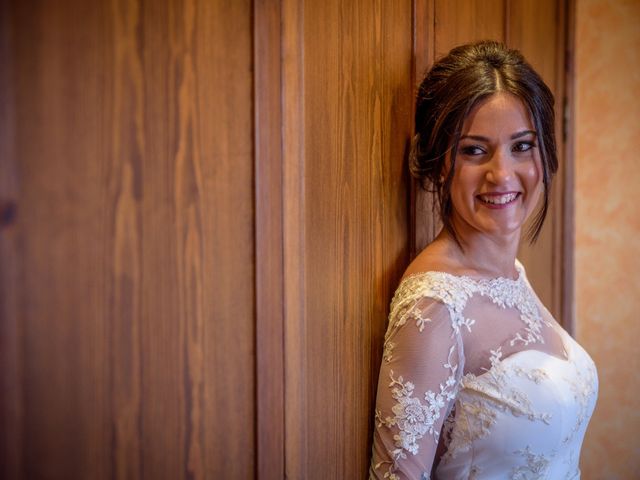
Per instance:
(464,185)
(466,180)
(532,175)
(458,192)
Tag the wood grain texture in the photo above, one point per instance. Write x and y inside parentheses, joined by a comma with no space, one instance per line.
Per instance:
(294,204)
(269,240)
(425,222)
(62,298)
(133,143)
(537,29)
(464,21)
(225,122)
(11,411)
(211,211)
(354,109)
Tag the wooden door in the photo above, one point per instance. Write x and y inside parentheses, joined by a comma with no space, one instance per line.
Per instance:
(204,212)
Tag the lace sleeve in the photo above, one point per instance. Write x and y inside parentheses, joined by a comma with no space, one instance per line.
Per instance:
(421,369)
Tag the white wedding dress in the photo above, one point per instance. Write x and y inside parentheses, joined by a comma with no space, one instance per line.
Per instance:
(480,369)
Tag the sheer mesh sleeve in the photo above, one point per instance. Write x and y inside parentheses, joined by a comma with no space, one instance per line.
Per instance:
(419,377)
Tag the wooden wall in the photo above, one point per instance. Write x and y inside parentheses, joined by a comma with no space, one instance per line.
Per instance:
(128,270)
(204,211)
(350,127)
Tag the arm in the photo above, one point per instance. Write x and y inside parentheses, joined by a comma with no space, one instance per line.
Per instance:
(420,372)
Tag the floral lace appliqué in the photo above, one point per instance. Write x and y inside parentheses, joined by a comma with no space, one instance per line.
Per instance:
(475,415)
(454,291)
(413,418)
(416,414)
(583,386)
(535,469)
(474,420)
(387,354)
(413,315)
(496,384)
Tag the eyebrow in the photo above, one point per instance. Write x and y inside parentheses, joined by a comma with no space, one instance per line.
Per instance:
(480,138)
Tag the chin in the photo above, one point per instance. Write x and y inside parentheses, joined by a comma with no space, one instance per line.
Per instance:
(501,230)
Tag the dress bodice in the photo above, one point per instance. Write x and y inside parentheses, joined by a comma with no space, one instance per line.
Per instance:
(481,369)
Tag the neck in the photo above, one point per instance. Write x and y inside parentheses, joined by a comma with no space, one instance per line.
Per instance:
(488,255)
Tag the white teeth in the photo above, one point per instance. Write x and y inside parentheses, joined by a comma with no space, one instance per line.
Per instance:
(499,199)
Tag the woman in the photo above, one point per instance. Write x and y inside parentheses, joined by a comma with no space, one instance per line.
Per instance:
(477,379)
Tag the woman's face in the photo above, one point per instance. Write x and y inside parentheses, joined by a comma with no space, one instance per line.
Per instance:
(497,178)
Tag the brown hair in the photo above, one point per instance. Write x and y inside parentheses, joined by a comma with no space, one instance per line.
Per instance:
(451,88)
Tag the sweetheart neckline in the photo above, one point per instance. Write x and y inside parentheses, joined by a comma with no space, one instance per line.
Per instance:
(568,360)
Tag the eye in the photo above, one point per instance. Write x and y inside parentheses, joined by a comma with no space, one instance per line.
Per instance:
(472,150)
(522,147)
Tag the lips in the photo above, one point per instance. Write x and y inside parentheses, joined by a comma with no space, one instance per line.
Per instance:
(498,198)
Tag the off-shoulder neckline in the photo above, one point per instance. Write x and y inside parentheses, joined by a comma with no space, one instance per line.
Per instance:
(499,279)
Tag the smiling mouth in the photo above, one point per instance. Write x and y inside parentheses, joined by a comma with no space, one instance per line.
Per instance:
(502,199)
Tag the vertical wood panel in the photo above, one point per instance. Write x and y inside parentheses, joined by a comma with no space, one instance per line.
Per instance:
(537,29)
(225,124)
(224,110)
(133,144)
(123,196)
(464,21)
(269,240)
(356,113)
(424,221)
(294,206)
(11,411)
(58,134)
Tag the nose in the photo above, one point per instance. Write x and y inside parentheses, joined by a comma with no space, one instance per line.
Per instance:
(499,168)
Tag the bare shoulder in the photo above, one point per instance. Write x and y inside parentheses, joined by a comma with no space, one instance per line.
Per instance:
(436,257)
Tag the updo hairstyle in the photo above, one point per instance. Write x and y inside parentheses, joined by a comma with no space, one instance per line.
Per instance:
(451,89)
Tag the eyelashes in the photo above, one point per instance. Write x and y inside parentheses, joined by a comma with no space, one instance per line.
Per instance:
(479,150)
(523,146)
(472,150)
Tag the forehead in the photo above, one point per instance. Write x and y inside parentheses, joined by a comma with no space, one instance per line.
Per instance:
(500,113)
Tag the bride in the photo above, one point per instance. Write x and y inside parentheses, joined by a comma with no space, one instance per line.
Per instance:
(478,380)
